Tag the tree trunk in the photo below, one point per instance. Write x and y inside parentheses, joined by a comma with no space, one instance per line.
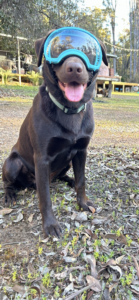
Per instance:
(130,45)
(135,43)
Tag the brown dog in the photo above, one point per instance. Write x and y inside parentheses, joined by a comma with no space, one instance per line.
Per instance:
(51,137)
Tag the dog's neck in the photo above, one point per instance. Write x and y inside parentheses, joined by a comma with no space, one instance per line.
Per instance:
(66,110)
(69,123)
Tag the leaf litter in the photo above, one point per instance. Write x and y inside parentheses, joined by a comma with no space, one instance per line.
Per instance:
(97,255)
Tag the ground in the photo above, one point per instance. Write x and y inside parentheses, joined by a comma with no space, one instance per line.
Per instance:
(99,249)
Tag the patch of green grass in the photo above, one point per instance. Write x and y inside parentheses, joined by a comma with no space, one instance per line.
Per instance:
(29,91)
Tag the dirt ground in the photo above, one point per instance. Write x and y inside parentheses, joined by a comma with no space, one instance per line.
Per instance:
(99,249)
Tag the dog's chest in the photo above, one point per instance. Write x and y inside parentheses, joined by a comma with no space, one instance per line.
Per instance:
(59,145)
(61,151)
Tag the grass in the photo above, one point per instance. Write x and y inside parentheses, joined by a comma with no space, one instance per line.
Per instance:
(125,94)
(27,90)
(116,121)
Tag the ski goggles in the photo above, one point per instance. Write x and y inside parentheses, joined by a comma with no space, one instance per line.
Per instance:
(72,41)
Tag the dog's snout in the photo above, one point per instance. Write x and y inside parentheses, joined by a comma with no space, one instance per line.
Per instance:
(74,68)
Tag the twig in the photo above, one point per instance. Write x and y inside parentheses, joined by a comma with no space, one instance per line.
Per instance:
(14,243)
(79,292)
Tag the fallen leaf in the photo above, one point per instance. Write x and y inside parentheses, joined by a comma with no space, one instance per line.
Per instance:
(121,239)
(69,259)
(92,261)
(98,220)
(106,294)
(90,233)
(96,286)
(67,271)
(5,211)
(89,295)
(118,259)
(136,265)
(134,287)
(35,233)
(92,209)
(118,269)
(30,218)
(73,216)
(50,254)
(113,286)
(79,252)
(81,216)
(65,250)
(45,240)
(68,288)
(19,289)
(19,218)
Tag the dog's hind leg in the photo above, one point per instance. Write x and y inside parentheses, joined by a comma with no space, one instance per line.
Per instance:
(11,169)
(64,177)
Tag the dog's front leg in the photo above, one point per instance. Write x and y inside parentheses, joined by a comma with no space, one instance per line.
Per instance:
(79,172)
(42,174)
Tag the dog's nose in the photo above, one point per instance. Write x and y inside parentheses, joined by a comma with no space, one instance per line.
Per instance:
(74,68)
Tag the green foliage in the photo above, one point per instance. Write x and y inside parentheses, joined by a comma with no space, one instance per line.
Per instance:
(127,279)
(56,292)
(34,77)
(46,280)
(5,75)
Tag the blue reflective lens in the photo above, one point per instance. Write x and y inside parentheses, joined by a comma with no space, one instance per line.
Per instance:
(68,41)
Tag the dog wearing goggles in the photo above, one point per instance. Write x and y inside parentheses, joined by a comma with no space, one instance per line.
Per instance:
(56,132)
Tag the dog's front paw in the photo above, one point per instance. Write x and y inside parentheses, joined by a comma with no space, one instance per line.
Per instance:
(51,227)
(87,205)
(9,198)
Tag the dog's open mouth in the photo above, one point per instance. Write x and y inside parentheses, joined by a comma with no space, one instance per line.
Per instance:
(73,90)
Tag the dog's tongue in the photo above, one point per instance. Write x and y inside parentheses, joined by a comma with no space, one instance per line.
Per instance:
(74,91)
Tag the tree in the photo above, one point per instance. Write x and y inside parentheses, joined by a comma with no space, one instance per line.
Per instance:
(134,40)
(111,12)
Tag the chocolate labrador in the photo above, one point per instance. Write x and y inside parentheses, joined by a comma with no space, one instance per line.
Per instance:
(55,133)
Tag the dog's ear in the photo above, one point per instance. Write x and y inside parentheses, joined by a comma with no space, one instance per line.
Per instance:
(39,44)
(104,50)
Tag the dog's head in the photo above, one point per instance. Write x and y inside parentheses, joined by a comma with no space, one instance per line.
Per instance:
(69,80)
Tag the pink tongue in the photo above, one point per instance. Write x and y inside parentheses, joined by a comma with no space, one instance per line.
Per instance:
(74,92)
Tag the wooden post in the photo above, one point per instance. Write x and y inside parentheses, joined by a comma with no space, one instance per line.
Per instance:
(19,61)
(95,90)
(110,89)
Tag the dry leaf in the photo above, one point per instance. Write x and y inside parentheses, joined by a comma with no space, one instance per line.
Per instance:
(112,286)
(79,252)
(136,265)
(68,288)
(96,286)
(92,261)
(69,259)
(106,294)
(81,216)
(5,211)
(19,218)
(65,250)
(98,220)
(90,233)
(118,259)
(73,216)
(92,209)
(45,240)
(89,295)
(30,218)
(19,289)
(121,239)
(118,269)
